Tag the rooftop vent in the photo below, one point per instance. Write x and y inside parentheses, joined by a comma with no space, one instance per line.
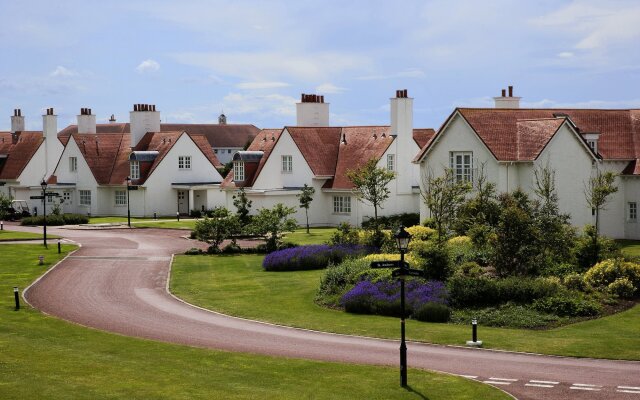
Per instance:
(402,94)
(312,98)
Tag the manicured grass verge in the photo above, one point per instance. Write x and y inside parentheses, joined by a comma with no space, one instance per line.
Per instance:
(315,236)
(46,358)
(13,235)
(111,220)
(237,285)
(630,248)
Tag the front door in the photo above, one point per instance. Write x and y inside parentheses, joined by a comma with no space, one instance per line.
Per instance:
(183,202)
(67,202)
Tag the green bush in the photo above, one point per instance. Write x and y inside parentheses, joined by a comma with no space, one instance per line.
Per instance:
(196,213)
(471,269)
(231,248)
(467,291)
(587,255)
(505,316)
(472,292)
(75,219)
(393,221)
(55,220)
(434,259)
(622,287)
(606,272)
(575,282)
(568,306)
(432,312)
(344,234)
(525,290)
(337,278)
(193,252)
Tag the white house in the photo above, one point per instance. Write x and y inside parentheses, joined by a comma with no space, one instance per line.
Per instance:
(575,143)
(172,171)
(280,161)
(27,157)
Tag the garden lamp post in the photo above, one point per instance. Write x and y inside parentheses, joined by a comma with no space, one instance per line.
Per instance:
(128,207)
(43,185)
(402,238)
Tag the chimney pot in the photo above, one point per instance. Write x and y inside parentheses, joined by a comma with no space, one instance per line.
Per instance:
(504,93)
(404,93)
(510,91)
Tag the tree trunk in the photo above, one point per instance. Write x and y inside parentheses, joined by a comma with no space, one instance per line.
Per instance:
(596,251)
(306,211)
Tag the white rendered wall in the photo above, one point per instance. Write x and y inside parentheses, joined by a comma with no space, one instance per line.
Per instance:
(312,114)
(142,122)
(82,178)
(87,124)
(631,187)
(53,146)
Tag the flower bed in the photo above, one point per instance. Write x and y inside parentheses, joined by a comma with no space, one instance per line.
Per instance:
(312,257)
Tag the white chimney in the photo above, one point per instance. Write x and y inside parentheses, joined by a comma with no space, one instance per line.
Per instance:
(53,147)
(17,121)
(86,121)
(144,118)
(405,147)
(509,101)
(312,111)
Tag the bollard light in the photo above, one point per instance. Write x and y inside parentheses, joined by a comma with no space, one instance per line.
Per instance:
(59,247)
(178,215)
(474,342)
(41,260)
(16,295)
(1,225)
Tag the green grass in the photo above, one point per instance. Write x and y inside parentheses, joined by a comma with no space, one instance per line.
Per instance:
(45,358)
(315,236)
(171,224)
(112,220)
(630,248)
(13,235)
(237,285)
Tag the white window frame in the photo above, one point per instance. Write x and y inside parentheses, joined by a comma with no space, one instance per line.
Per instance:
(342,204)
(238,171)
(287,164)
(391,162)
(134,169)
(84,195)
(120,197)
(632,211)
(184,162)
(461,163)
(73,164)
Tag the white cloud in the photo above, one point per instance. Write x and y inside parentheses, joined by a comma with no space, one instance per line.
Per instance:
(566,54)
(259,106)
(61,71)
(408,73)
(261,85)
(148,66)
(329,88)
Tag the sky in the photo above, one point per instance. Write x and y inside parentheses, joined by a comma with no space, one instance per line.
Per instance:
(253,59)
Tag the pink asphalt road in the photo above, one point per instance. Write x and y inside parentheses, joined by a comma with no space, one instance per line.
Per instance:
(117,282)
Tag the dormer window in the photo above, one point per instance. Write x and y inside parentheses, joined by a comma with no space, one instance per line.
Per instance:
(594,145)
(134,169)
(592,140)
(238,171)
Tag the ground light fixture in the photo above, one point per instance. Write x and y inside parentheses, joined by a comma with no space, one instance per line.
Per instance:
(43,185)
(402,239)
(128,207)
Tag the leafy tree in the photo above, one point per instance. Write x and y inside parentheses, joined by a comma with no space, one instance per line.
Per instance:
(305,198)
(5,204)
(222,225)
(443,195)
(597,192)
(482,209)
(243,206)
(271,223)
(370,183)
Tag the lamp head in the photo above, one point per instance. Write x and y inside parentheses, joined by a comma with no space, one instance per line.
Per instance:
(43,185)
(402,239)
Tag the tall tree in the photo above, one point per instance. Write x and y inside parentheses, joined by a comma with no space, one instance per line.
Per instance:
(243,206)
(305,198)
(5,204)
(598,192)
(370,183)
(443,195)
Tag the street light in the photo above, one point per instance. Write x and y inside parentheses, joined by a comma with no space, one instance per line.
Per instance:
(128,208)
(402,238)
(43,185)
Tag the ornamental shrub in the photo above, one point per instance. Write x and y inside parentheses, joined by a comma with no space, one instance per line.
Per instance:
(74,219)
(507,315)
(338,277)
(575,282)
(434,259)
(419,232)
(466,291)
(344,234)
(409,258)
(568,305)
(393,221)
(622,287)
(606,272)
(587,255)
(432,312)
(311,257)
(52,220)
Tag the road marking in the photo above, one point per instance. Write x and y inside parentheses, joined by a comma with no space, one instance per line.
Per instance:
(628,391)
(469,376)
(629,387)
(586,385)
(544,382)
(503,379)
(584,388)
(497,382)
(539,385)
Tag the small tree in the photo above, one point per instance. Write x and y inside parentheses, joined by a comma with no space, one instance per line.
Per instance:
(305,198)
(5,204)
(443,196)
(597,192)
(243,206)
(271,223)
(370,183)
(216,229)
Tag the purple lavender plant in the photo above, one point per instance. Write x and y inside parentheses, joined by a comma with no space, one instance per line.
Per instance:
(311,257)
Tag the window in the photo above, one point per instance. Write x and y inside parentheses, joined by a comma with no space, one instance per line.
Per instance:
(66,196)
(229,151)
(184,162)
(391,162)
(238,171)
(462,164)
(287,163)
(342,204)
(85,197)
(121,197)
(215,151)
(134,170)
(633,211)
(73,164)
(594,145)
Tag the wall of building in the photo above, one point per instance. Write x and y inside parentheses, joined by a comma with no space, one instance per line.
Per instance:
(631,187)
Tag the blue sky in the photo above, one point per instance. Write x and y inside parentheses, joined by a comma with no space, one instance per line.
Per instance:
(193,58)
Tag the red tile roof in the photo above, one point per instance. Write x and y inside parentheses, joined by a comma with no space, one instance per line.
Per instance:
(633,168)
(507,135)
(264,141)
(319,147)
(19,154)
(423,136)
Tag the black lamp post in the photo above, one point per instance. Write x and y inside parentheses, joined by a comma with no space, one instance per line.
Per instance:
(128,208)
(43,185)
(402,238)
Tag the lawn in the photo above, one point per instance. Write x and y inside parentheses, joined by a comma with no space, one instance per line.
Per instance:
(315,236)
(630,248)
(237,285)
(13,235)
(43,357)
